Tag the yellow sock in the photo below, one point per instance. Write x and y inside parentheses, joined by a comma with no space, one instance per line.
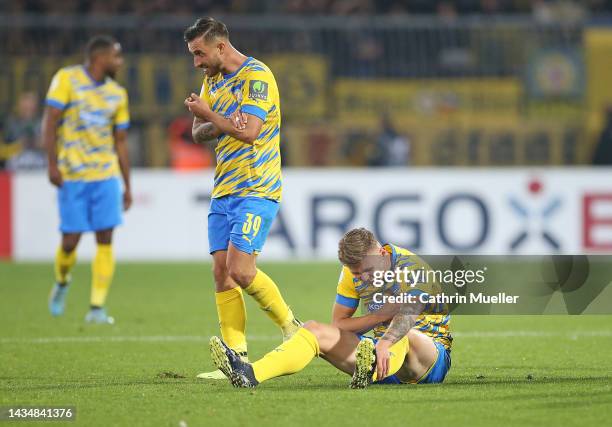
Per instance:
(64,261)
(398,352)
(289,357)
(232,318)
(266,293)
(103,268)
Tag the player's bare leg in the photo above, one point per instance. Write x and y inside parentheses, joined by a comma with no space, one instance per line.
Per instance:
(243,270)
(336,346)
(64,261)
(240,266)
(104,237)
(422,355)
(231,311)
(102,271)
(70,241)
(222,279)
(346,352)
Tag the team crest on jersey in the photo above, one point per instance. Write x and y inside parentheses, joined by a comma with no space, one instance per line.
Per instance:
(258,90)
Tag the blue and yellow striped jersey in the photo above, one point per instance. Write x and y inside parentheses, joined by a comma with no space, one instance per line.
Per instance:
(91,112)
(243,169)
(434,321)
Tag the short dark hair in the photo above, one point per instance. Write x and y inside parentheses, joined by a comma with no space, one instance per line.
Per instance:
(99,43)
(208,27)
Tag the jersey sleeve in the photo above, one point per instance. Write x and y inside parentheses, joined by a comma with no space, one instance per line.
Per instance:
(258,93)
(346,293)
(58,95)
(122,116)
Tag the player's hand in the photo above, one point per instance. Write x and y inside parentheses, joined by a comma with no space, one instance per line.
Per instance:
(383,358)
(197,106)
(238,119)
(55,176)
(127,199)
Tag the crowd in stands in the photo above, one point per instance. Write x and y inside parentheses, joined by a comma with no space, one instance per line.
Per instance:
(545,9)
(443,51)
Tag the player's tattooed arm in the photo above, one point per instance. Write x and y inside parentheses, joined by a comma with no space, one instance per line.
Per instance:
(402,322)
(400,325)
(246,132)
(203,132)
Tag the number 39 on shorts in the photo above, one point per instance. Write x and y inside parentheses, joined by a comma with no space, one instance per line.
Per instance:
(251,224)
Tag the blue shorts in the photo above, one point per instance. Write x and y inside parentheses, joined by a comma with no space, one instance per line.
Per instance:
(244,221)
(90,205)
(436,373)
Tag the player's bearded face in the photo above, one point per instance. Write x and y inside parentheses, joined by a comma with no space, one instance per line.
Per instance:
(212,65)
(207,56)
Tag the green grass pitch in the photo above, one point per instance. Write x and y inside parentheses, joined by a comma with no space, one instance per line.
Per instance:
(521,370)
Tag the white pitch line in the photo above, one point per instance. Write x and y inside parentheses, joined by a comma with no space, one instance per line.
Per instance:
(201,338)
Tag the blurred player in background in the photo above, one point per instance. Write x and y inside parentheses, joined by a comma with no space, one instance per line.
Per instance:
(239,106)
(85,132)
(411,342)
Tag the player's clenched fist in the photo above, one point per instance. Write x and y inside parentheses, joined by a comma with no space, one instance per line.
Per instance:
(197,106)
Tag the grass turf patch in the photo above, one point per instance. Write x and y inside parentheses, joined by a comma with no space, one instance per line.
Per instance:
(507,370)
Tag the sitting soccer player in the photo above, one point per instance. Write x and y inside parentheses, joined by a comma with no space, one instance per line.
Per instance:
(411,343)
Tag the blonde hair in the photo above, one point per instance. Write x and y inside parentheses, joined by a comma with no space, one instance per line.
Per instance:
(355,245)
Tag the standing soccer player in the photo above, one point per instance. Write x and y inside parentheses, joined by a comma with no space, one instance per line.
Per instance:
(85,131)
(239,106)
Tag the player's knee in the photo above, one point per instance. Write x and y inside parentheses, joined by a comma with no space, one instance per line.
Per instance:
(68,247)
(219,272)
(315,327)
(222,279)
(69,244)
(244,277)
(104,238)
